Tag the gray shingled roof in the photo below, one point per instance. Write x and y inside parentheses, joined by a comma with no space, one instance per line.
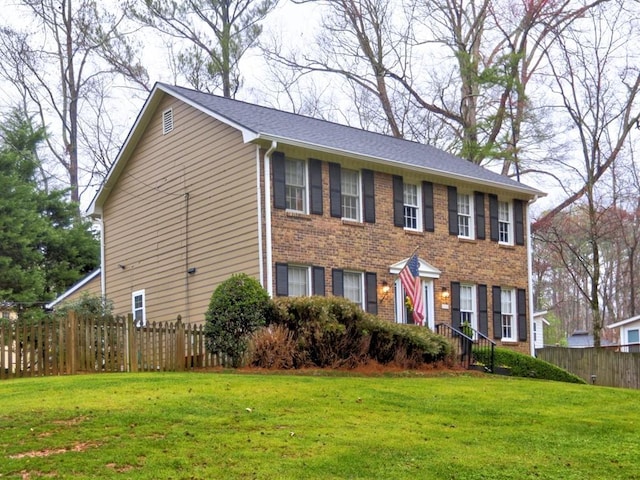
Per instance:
(286,127)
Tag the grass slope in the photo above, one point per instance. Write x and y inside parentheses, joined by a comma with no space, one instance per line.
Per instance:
(252,426)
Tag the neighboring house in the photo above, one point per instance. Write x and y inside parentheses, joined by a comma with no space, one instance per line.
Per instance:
(90,284)
(8,311)
(629,338)
(584,339)
(205,187)
(538,329)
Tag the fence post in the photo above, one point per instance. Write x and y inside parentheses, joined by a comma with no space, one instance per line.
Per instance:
(72,332)
(180,355)
(132,354)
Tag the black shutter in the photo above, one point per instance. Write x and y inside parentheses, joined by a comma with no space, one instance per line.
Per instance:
(335,190)
(371,284)
(315,184)
(478,198)
(455,305)
(368,196)
(452,193)
(279,198)
(522,314)
(337,278)
(398,201)
(427,207)
(493,218)
(317,274)
(518,215)
(483,315)
(497,312)
(282,279)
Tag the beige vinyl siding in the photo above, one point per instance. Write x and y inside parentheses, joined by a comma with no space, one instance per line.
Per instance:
(93,288)
(184,200)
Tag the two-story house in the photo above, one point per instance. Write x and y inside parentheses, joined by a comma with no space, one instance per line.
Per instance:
(205,187)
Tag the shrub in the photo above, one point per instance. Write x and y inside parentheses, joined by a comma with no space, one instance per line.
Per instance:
(334,332)
(522,365)
(273,347)
(88,305)
(238,306)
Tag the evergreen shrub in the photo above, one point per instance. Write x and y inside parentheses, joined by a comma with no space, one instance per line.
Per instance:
(238,307)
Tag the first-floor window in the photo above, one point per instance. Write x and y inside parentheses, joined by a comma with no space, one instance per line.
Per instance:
(507,307)
(467,305)
(298,281)
(138,308)
(353,287)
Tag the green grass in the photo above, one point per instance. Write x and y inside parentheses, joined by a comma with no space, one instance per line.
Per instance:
(252,426)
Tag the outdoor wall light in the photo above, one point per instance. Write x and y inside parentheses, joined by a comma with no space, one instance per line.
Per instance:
(385,290)
(191,270)
(445,297)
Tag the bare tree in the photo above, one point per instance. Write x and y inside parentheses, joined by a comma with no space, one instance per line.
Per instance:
(55,65)
(214,36)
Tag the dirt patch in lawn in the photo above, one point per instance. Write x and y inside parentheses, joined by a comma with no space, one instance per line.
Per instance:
(47,452)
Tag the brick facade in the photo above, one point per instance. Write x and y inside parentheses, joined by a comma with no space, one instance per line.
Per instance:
(325,241)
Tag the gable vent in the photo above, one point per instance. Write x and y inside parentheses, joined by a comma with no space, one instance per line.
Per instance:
(167,121)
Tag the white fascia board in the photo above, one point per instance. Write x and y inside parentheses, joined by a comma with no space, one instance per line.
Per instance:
(75,288)
(624,322)
(531,192)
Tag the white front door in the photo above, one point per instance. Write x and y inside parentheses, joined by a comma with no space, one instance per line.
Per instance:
(402,314)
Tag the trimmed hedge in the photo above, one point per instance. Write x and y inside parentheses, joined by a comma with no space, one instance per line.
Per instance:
(334,332)
(522,365)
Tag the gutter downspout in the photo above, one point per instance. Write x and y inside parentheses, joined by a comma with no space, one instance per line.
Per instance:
(103,275)
(259,196)
(267,213)
(530,276)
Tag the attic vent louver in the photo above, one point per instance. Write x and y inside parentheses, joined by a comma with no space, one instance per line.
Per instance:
(167,121)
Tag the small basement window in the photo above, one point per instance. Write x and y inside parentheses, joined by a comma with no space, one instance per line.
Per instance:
(167,121)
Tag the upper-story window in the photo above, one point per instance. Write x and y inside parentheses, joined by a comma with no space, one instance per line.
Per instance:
(507,309)
(350,194)
(465,215)
(296,185)
(505,222)
(411,206)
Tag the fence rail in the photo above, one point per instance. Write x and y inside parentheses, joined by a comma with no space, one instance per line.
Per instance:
(596,365)
(73,344)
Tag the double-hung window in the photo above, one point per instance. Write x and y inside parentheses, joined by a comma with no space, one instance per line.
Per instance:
(508,311)
(138,308)
(350,194)
(465,215)
(296,185)
(411,207)
(298,281)
(353,287)
(505,223)
(468,305)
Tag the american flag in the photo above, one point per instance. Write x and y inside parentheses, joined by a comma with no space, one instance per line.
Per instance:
(412,284)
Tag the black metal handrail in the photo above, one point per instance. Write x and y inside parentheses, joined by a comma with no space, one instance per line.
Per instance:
(471,349)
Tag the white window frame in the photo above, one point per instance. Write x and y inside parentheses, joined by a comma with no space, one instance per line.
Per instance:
(167,121)
(357,197)
(305,272)
(357,286)
(468,305)
(465,199)
(412,207)
(505,225)
(508,315)
(142,308)
(303,187)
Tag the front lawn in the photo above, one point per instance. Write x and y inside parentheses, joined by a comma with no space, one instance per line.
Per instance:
(272,426)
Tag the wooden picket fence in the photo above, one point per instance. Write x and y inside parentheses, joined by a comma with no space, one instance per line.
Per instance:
(73,344)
